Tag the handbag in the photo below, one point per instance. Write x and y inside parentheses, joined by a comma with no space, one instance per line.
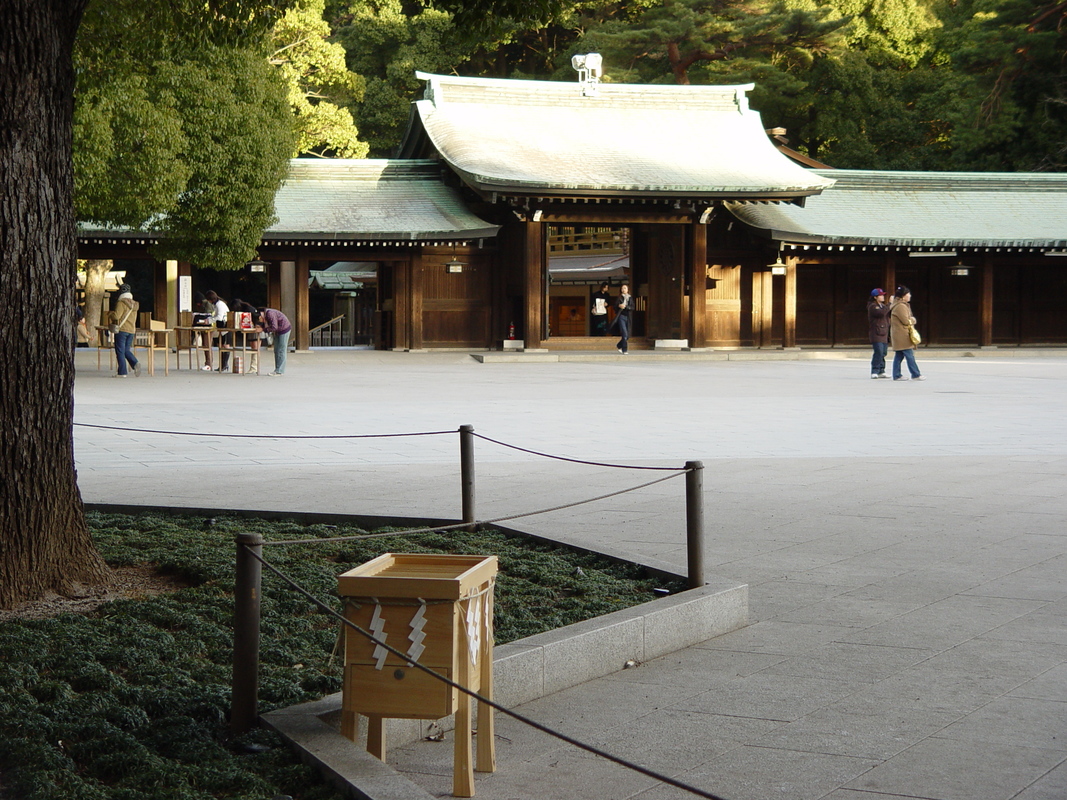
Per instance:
(913,334)
(114,326)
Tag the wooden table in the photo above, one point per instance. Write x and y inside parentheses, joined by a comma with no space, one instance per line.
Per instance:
(142,339)
(206,335)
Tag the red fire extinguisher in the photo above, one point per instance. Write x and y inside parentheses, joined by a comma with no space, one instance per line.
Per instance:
(511,331)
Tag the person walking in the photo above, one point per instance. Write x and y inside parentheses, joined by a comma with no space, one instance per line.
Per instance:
(599,312)
(277,324)
(122,321)
(623,307)
(878,322)
(901,323)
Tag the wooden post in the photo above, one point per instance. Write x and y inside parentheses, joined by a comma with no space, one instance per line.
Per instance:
(534,292)
(244,714)
(694,521)
(789,331)
(466,460)
(697,278)
(985,333)
(463,764)
(486,755)
(302,320)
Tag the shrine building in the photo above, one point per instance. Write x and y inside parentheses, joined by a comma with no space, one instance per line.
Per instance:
(511,201)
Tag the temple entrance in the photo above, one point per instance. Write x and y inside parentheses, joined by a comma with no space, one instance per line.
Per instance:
(580,259)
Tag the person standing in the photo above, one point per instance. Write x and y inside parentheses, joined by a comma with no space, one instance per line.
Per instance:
(204,308)
(623,307)
(122,321)
(599,311)
(277,324)
(901,322)
(878,322)
(220,316)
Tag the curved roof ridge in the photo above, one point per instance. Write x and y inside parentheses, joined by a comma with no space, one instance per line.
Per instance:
(545,138)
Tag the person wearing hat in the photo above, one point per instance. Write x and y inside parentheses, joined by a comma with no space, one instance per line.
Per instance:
(901,322)
(878,322)
(122,321)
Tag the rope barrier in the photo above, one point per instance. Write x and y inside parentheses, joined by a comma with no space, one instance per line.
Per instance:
(572,460)
(495,520)
(262,436)
(491,703)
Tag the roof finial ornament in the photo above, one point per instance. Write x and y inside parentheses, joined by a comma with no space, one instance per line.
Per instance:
(589,68)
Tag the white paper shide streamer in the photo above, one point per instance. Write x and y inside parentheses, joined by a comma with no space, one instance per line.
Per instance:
(417,635)
(377,627)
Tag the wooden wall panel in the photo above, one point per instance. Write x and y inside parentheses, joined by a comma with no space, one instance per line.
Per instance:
(815,305)
(723,303)
(1043,290)
(455,306)
(853,283)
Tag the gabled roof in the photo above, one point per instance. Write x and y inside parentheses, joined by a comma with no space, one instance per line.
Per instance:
(545,138)
(923,209)
(371,200)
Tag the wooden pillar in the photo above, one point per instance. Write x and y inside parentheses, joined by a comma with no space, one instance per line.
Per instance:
(302,323)
(789,329)
(402,305)
(762,307)
(417,286)
(889,274)
(533,258)
(274,286)
(160,307)
(985,333)
(697,278)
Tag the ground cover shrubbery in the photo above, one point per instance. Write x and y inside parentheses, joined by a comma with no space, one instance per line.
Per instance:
(131,700)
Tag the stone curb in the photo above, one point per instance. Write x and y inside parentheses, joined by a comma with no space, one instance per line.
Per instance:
(524,670)
(564,356)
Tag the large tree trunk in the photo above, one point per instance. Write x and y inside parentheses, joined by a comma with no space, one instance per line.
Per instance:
(44,542)
(96,270)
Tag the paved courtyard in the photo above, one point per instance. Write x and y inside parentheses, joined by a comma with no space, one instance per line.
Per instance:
(905,546)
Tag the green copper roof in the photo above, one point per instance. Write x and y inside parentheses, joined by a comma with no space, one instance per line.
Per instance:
(545,138)
(923,209)
(371,200)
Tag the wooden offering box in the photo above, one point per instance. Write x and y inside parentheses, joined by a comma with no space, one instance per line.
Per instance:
(438,611)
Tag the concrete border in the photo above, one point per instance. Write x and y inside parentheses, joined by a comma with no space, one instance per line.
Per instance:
(740,354)
(524,670)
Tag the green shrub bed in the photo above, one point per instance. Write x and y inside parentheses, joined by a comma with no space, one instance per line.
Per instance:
(131,700)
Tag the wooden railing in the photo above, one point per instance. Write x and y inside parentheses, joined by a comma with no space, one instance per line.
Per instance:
(604,240)
(330,334)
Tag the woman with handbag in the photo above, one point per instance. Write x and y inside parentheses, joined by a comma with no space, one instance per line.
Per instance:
(122,321)
(903,335)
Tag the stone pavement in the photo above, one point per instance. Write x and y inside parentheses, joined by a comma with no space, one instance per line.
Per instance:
(904,543)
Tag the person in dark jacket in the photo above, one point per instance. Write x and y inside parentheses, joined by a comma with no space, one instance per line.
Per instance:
(878,320)
(623,307)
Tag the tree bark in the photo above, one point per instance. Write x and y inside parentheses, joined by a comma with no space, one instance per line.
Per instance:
(44,542)
(96,270)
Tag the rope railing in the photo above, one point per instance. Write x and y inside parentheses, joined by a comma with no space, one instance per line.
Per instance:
(693,470)
(264,436)
(251,545)
(478,523)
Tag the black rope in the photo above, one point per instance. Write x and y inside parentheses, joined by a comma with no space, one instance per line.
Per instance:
(262,436)
(458,525)
(491,703)
(574,460)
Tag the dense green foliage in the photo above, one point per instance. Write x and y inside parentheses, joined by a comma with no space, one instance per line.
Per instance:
(898,84)
(181,127)
(131,701)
